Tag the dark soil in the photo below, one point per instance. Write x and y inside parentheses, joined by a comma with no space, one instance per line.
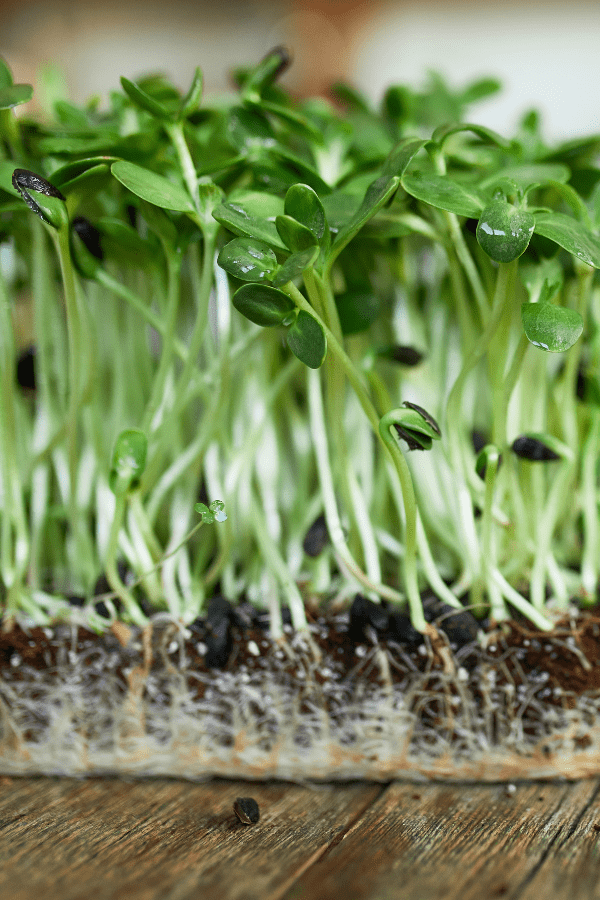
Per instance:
(361,653)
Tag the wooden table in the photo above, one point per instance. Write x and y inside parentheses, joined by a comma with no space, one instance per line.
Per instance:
(161,839)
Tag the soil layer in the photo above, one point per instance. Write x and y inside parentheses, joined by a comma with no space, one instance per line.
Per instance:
(361,695)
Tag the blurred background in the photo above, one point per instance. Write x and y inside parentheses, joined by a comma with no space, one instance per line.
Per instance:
(545,53)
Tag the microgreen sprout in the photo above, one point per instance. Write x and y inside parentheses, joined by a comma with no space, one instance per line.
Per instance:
(233,297)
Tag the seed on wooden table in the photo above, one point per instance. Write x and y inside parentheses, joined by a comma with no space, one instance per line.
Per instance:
(246,809)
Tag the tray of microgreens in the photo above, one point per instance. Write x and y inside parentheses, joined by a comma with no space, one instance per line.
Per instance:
(299,433)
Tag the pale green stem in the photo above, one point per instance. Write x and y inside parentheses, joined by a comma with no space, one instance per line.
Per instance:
(120,290)
(589,494)
(488,545)
(76,348)
(112,574)
(545,530)
(334,525)
(453,410)
(520,603)
(461,249)
(175,132)
(279,568)
(410,540)
(167,349)
(15,557)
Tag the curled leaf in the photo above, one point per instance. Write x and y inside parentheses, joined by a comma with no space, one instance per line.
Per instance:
(42,197)
(128,461)
(489,454)
(412,424)
(426,416)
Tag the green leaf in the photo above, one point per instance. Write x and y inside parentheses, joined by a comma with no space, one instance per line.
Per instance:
(298,168)
(570,235)
(441,134)
(6,78)
(248,259)
(293,234)
(441,192)
(526,174)
(570,196)
(357,310)
(249,131)
(378,193)
(306,339)
(295,265)
(191,101)
(542,280)
(292,117)
(144,101)
(400,156)
(262,304)
(553,328)
(214,513)
(266,72)
(152,187)
(488,454)
(85,186)
(160,223)
(480,89)
(252,214)
(504,231)
(412,424)
(303,205)
(128,461)
(14,95)
(67,173)
(7,167)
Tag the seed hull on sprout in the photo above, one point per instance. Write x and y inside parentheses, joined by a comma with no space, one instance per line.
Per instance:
(519,704)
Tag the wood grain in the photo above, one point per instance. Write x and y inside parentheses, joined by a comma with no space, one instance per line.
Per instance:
(164,840)
(571,867)
(447,841)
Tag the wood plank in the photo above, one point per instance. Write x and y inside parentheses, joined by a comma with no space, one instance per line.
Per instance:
(161,839)
(445,841)
(571,868)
